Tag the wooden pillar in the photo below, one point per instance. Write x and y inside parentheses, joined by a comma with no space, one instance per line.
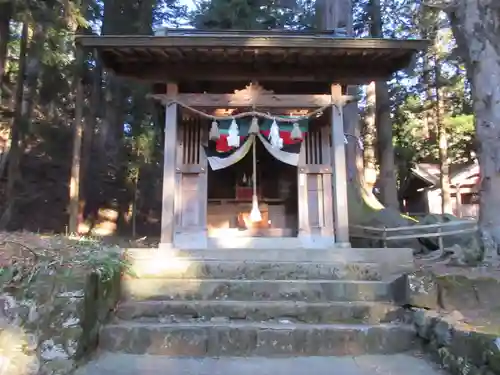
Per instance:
(326,182)
(191,186)
(458,201)
(74,186)
(315,190)
(341,216)
(169,161)
(303,206)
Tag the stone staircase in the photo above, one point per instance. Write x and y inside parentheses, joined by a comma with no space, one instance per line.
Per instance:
(259,302)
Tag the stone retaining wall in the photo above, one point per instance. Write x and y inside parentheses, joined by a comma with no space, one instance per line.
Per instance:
(459,349)
(57,329)
(55,294)
(451,315)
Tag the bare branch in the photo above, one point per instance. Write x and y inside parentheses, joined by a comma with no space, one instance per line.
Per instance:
(4,242)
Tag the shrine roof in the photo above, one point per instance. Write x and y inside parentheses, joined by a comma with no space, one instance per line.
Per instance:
(261,55)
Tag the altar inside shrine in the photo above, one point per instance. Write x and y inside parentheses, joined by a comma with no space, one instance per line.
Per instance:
(230,199)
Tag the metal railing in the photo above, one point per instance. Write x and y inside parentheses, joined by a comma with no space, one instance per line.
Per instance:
(439,230)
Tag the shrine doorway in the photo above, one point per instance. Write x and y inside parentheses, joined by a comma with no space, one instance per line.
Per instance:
(230,192)
(289,206)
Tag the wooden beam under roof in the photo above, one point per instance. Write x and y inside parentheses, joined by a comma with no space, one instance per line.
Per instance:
(259,101)
(240,72)
(253,95)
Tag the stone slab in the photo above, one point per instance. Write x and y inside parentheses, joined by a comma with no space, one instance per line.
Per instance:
(122,364)
(229,239)
(463,289)
(393,256)
(259,311)
(256,290)
(251,339)
(182,268)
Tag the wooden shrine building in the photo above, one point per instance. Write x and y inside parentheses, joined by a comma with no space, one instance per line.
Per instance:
(275,176)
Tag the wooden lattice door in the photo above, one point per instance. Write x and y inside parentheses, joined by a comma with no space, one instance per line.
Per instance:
(315,185)
(191,185)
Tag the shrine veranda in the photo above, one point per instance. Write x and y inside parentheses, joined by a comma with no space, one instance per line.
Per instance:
(254,148)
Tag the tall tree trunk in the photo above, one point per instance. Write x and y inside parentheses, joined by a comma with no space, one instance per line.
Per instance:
(95,114)
(6,9)
(476,25)
(74,186)
(364,208)
(91,124)
(33,69)
(429,105)
(429,24)
(13,171)
(119,18)
(354,148)
(444,161)
(369,137)
(334,15)
(74,208)
(426,80)
(385,147)
(370,132)
(88,174)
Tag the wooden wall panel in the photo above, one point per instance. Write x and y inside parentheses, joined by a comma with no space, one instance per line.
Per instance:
(191,184)
(314,189)
(313,198)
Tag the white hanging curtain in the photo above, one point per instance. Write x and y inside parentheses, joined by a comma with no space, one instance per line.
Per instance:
(223,160)
(288,154)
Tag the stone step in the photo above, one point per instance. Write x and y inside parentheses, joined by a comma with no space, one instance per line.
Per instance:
(391,257)
(130,364)
(182,268)
(259,311)
(255,339)
(256,290)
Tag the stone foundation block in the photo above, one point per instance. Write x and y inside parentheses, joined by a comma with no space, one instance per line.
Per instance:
(256,290)
(259,311)
(256,339)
